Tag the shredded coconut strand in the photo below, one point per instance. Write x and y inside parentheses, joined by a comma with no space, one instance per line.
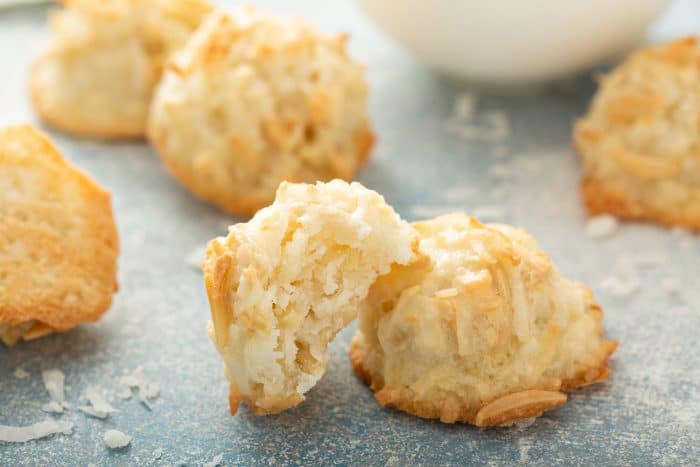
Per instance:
(621,283)
(115,439)
(54,381)
(99,407)
(22,434)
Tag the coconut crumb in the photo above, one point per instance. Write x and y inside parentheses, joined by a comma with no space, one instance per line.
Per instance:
(54,381)
(601,226)
(146,390)
(158,453)
(215,461)
(620,285)
(99,407)
(124,393)
(115,439)
(22,434)
(20,373)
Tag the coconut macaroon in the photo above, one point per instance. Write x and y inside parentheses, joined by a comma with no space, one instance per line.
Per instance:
(96,77)
(254,100)
(640,140)
(58,240)
(481,328)
(282,285)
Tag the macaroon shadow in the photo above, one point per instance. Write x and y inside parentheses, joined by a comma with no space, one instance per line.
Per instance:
(56,348)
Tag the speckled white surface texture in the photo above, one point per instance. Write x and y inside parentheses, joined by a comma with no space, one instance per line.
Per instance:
(648,413)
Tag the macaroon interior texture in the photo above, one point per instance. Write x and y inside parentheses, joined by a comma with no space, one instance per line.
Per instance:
(282,285)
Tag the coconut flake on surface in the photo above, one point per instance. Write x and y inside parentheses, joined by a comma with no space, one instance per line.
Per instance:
(20,373)
(146,390)
(99,407)
(115,439)
(124,393)
(601,226)
(158,453)
(22,434)
(467,124)
(217,460)
(54,381)
(623,282)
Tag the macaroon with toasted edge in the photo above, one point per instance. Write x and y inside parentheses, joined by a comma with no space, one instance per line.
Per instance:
(255,99)
(58,240)
(481,328)
(640,140)
(103,59)
(282,285)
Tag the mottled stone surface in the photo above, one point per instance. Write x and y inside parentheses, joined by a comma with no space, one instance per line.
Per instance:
(648,413)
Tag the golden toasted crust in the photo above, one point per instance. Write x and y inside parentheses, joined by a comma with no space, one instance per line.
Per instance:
(639,141)
(424,323)
(451,410)
(58,239)
(244,206)
(253,100)
(600,198)
(97,75)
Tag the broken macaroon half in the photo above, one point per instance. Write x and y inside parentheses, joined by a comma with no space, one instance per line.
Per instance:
(480,328)
(282,285)
(58,240)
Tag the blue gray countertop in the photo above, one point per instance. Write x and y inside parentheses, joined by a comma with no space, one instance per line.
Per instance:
(647,413)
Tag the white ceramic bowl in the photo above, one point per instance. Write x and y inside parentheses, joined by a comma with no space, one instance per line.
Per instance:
(515,42)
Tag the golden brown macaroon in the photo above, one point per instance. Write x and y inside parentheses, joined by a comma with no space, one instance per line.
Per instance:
(480,329)
(104,58)
(640,140)
(58,240)
(254,100)
(282,285)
